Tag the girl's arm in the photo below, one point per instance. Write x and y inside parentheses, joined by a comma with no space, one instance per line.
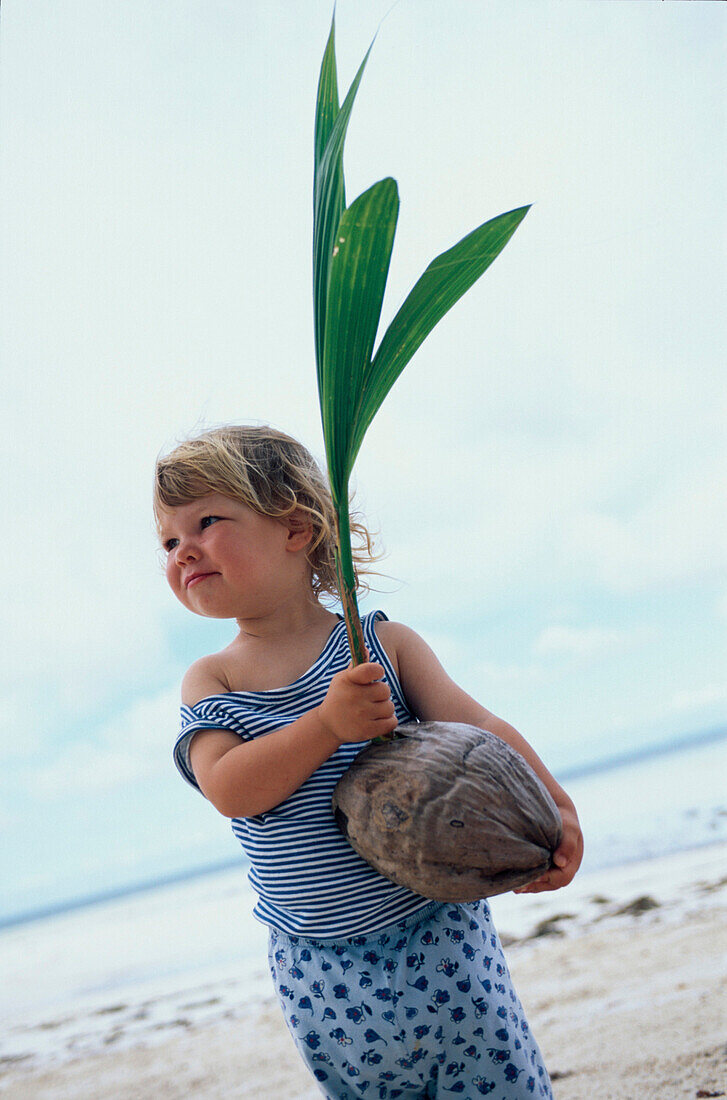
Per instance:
(245,778)
(434,696)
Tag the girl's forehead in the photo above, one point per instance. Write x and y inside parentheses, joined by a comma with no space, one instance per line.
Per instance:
(194,507)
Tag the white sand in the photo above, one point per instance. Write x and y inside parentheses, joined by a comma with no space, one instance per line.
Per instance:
(625,1006)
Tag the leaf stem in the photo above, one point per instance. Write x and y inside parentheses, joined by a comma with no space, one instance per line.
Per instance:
(347,587)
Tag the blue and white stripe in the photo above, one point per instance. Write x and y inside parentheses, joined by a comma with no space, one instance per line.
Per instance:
(307,877)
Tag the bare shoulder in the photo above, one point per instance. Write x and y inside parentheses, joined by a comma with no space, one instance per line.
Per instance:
(401,643)
(205,677)
(431,692)
(399,638)
(392,637)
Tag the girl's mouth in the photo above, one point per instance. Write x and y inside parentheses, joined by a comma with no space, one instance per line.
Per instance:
(197,577)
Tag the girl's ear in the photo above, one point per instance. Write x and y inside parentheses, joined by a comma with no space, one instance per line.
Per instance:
(300,530)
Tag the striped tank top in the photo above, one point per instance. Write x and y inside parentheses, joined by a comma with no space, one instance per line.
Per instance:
(308,879)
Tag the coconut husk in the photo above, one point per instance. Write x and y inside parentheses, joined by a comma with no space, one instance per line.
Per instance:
(448,810)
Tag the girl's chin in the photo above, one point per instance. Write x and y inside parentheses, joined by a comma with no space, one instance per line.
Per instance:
(211,610)
(219,609)
(205,605)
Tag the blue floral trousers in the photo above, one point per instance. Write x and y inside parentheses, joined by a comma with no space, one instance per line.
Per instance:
(417,1011)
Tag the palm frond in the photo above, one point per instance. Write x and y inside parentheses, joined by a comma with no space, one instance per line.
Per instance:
(359,267)
(351,254)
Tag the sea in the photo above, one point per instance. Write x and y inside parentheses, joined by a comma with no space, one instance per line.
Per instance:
(137,967)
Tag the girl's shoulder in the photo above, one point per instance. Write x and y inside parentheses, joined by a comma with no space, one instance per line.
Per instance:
(395,639)
(393,634)
(205,677)
(410,655)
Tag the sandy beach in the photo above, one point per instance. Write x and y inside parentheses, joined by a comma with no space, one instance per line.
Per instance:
(623,976)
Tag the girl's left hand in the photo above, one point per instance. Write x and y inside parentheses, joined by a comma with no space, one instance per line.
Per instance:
(567,856)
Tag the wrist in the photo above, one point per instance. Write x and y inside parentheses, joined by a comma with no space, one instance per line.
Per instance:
(326,731)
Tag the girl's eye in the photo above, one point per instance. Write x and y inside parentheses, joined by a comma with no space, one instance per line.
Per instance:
(204,523)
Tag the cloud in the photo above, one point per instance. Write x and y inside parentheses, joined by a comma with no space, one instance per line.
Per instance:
(21,739)
(471,516)
(678,534)
(699,698)
(589,641)
(133,746)
(721,608)
(514,676)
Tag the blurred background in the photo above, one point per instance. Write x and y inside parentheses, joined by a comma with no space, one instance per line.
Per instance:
(548,474)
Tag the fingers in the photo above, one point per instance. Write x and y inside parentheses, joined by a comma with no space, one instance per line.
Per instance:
(368,679)
(537,887)
(377,711)
(367,673)
(554,879)
(369,683)
(379,692)
(566,858)
(568,847)
(378,704)
(387,726)
(549,881)
(358,704)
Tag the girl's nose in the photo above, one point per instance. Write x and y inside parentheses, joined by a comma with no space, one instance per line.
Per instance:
(186,551)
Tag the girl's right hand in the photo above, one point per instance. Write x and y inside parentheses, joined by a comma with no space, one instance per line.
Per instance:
(358,704)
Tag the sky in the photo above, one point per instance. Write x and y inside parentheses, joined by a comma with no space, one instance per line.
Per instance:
(548,474)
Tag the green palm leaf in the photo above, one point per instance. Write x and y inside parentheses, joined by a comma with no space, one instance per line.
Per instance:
(442,284)
(358,271)
(351,255)
(327,98)
(328,184)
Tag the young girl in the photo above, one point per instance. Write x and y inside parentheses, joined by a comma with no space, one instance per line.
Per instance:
(385,993)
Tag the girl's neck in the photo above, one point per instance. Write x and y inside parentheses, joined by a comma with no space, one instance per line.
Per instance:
(272,652)
(295,618)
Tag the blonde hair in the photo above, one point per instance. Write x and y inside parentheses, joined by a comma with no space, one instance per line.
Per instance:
(273,474)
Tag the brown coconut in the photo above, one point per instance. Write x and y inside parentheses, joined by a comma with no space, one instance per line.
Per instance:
(449,811)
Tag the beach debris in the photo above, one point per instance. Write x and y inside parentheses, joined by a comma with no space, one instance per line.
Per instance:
(14,1059)
(638,906)
(710,887)
(551,925)
(448,810)
(201,1004)
(51,1025)
(180,1021)
(706,1092)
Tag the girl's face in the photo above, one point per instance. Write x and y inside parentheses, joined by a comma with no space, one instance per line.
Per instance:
(226,561)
